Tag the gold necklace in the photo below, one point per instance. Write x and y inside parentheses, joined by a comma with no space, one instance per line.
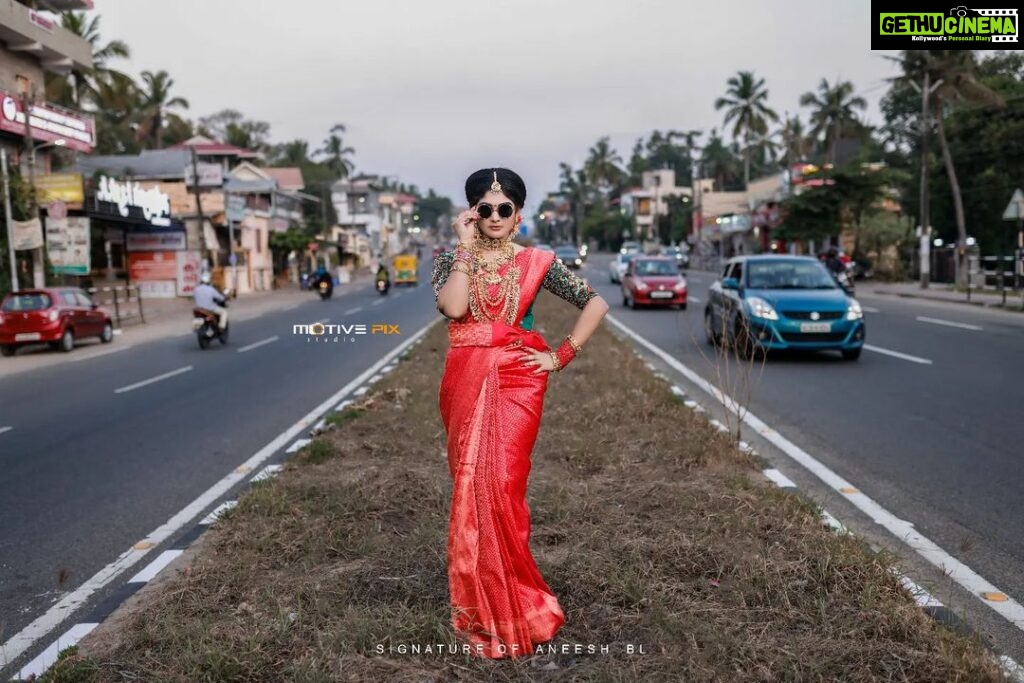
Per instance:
(503,305)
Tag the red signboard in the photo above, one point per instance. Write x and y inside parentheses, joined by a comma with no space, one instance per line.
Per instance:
(49,123)
(154,265)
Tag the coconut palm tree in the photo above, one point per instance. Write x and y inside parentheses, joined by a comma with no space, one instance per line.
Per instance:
(718,161)
(793,139)
(157,100)
(80,85)
(747,109)
(832,113)
(336,152)
(958,71)
(603,166)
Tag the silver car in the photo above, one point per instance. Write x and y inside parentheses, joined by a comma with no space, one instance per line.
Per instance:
(618,265)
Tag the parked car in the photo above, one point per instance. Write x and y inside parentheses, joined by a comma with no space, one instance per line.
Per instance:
(583,252)
(569,255)
(54,315)
(782,302)
(653,281)
(617,267)
(543,247)
(630,248)
(681,256)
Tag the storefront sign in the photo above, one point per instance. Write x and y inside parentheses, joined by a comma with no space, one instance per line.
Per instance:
(155,241)
(28,234)
(156,265)
(48,123)
(189,268)
(210,175)
(154,205)
(67,244)
(65,187)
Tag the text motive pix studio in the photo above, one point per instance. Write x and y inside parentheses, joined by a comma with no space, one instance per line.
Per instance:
(142,241)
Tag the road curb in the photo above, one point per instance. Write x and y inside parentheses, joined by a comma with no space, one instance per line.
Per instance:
(948,300)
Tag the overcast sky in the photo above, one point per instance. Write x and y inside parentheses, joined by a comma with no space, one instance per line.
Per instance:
(431,90)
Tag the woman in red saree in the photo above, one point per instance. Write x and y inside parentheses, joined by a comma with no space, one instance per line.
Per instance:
(491,399)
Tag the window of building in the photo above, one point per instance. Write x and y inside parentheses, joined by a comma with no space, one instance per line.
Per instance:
(24,84)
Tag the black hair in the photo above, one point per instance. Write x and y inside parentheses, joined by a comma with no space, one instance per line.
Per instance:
(479,183)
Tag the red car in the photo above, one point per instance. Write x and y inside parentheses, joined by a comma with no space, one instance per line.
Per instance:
(55,315)
(653,281)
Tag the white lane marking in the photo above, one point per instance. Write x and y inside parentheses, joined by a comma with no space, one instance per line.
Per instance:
(258,344)
(1014,670)
(119,331)
(378,302)
(949,323)
(298,445)
(388,369)
(217,512)
(24,639)
(360,391)
(5,429)
(324,321)
(353,311)
(341,406)
(79,358)
(718,425)
(39,665)
(375,379)
(290,307)
(781,480)
(922,597)
(156,566)
(832,522)
(897,354)
(869,309)
(693,300)
(677,391)
(1011,610)
(151,380)
(267,472)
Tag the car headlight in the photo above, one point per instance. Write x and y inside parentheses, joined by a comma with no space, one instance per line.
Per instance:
(53,315)
(759,308)
(641,285)
(681,285)
(854,312)
(579,262)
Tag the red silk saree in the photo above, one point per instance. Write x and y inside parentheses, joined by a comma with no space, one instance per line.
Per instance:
(491,407)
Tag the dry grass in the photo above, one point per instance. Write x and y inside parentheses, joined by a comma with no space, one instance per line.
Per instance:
(648,525)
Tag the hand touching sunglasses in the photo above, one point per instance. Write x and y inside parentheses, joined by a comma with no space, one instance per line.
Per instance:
(505,210)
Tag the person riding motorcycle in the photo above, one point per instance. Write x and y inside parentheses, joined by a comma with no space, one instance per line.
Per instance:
(834,264)
(383,276)
(209,298)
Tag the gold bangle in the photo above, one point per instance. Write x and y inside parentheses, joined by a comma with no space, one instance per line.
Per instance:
(574,344)
(462,270)
(554,358)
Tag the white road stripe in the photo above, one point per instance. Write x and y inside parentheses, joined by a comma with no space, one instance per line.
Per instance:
(360,391)
(869,309)
(341,406)
(781,480)
(378,302)
(949,323)
(1014,670)
(897,354)
(692,300)
(152,380)
(79,358)
(5,429)
(39,665)
(298,445)
(324,321)
(353,311)
(375,379)
(43,625)
(217,512)
(922,597)
(677,391)
(267,472)
(258,344)
(903,530)
(156,566)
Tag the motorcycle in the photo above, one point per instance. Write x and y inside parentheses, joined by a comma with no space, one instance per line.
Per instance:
(325,288)
(383,286)
(205,324)
(845,280)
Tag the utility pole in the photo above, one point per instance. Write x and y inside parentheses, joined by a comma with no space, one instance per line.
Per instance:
(7,216)
(199,210)
(925,249)
(38,263)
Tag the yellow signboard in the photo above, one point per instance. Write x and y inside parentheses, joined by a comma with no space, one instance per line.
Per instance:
(65,187)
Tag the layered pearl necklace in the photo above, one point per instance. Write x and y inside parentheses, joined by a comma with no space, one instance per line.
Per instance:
(503,304)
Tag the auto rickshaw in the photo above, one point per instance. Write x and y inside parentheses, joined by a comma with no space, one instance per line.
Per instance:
(406,267)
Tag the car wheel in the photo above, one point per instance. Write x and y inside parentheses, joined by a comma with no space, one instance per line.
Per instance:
(744,345)
(8,350)
(67,341)
(682,307)
(625,300)
(709,329)
(632,304)
(107,335)
(851,354)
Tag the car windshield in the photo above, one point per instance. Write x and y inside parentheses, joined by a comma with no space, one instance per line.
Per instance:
(626,258)
(27,302)
(788,275)
(656,268)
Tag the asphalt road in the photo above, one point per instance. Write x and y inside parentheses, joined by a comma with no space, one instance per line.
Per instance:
(936,439)
(91,465)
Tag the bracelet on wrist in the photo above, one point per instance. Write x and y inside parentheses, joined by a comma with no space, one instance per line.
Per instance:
(576,347)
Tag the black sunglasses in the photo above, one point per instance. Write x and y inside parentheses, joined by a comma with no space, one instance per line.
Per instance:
(505,210)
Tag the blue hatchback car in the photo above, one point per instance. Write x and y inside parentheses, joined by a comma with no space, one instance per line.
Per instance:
(782,302)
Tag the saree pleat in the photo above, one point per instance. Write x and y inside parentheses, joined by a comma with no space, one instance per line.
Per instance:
(491,406)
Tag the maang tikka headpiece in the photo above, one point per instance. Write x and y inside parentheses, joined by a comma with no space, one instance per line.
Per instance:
(496,186)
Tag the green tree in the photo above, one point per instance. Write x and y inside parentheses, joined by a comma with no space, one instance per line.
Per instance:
(337,153)
(719,162)
(602,167)
(832,113)
(156,101)
(231,127)
(79,85)
(746,107)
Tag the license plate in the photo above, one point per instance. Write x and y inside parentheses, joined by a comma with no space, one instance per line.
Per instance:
(815,327)
(27,336)
(661,295)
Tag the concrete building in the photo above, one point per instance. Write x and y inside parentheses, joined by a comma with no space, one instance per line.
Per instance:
(643,203)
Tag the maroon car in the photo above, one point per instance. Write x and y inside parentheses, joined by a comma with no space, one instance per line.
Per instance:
(653,281)
(54,315)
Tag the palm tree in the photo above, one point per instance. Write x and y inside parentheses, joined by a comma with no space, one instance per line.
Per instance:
(71,89)
(958,71)
(573,183)
(746,107)
(717,160)
(603,166)
(689,145)
(832,113)
(793,139)
(337,152)
(294,153)
(156,97)
(118,108)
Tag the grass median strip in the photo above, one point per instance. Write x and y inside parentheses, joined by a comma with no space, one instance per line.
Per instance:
(650,526)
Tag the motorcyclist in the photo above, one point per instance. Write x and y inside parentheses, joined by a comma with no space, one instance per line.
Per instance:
(209,298)
(321,275)
(383,275)
(834,264)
